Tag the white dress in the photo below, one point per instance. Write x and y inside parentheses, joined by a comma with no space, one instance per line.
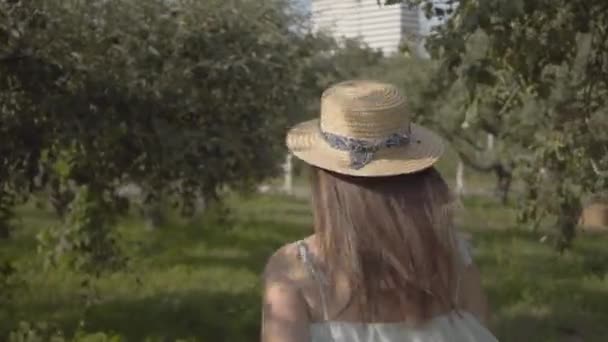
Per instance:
(453,327)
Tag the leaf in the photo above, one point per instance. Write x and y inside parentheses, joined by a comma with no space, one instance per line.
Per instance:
(471,113)
(77,56)
(63,168)
(153,51)
(486,77)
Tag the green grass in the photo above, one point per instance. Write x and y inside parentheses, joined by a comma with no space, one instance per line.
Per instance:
(201,281)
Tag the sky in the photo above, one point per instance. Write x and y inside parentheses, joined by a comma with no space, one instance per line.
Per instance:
(303,4)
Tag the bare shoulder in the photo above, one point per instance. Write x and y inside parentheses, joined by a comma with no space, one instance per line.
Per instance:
(285,264)
(284,310)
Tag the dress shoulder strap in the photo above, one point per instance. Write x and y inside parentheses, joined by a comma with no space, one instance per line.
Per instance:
(465,251)
(306,257)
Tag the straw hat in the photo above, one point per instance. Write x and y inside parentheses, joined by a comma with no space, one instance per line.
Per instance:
(365,129)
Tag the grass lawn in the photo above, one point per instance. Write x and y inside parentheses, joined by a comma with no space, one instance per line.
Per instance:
(201,282)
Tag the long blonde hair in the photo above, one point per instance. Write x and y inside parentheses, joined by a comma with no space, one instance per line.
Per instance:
(388,237)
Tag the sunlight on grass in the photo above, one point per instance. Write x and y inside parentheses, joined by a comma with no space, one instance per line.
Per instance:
(201,280)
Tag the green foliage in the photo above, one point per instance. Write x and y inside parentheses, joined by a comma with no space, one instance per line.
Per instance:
(533,74)
(6,213)
(9,282)
(84,241)
(41,332)
(204,285)
(183,98)
(333,62)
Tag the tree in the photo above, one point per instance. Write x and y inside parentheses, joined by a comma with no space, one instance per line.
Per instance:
(333,61)
(415,75)
(535,74)
(182,97)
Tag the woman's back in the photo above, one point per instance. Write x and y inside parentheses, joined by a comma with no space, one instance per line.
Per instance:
(331,315)
(451,326)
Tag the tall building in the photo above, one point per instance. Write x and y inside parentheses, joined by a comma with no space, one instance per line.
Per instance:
(381,27)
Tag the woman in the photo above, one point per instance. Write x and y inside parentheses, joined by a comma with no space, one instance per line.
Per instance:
(384,263)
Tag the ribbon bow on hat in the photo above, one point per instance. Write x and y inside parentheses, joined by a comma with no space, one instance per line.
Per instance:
(362,152)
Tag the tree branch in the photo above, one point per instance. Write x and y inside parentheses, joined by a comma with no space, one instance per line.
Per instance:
(453,139)
(474,164)
(12,58)
(597,171)
(486,126)
(468,160)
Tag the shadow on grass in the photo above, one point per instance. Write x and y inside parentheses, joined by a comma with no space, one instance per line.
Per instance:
(554,320)
(211,314)
(248,245)
(536,292)
(204,316)
(537,295)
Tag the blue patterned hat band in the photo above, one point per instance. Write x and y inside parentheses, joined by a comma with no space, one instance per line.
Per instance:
(362,152)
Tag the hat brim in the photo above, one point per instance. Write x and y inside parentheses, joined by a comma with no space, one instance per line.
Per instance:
(306,143)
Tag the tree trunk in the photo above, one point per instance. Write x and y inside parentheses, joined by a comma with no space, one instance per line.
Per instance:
(5,231)
(151,209)
(490,143)
(504,180)
(60,204)
(288,173)
(200,205)
(7,202)
(60,199)
(460,187)
(153,219)
(570,211)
